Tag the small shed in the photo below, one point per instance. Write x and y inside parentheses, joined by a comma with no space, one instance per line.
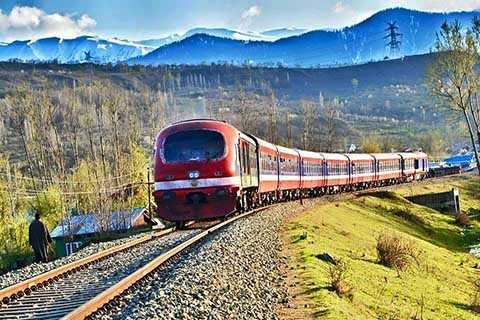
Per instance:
(76,231)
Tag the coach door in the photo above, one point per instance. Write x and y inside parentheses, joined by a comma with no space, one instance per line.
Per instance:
(245,163)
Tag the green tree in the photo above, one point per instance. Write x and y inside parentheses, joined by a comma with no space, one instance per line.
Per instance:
(432,143)
(370,144)
(50,204)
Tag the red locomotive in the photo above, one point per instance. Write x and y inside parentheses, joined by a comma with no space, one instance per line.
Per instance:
(209,169)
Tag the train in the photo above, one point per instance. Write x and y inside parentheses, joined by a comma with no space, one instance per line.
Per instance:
(207,169)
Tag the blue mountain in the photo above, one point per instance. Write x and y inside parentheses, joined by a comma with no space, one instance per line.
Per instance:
(116,50)
(359,43)
(72,50)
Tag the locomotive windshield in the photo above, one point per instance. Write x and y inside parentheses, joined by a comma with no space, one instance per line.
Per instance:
(193,145)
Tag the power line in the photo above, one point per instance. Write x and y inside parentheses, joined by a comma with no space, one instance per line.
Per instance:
(56,181)
(30,192)
(393,37)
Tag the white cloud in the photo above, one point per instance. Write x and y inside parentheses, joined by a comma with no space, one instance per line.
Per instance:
(339,7)
(248,15)
(253,11)
(85,22)
(26,23)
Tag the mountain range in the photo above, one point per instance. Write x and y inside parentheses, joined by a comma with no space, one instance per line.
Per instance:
(269,35)
(363,42)
(360,43)
(99,50)
(74,50)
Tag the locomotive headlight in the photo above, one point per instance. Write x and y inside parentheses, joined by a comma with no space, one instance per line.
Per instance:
(193,174)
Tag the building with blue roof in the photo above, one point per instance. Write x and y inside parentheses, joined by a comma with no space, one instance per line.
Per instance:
(76,231)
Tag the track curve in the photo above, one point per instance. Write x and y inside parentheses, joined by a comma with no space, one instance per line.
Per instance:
(79,289)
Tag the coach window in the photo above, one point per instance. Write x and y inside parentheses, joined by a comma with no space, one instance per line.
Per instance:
(245,158)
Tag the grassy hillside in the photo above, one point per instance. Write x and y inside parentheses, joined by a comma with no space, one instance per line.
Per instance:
(439,285)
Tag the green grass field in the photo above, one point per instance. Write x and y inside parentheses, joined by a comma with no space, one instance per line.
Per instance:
(439,286)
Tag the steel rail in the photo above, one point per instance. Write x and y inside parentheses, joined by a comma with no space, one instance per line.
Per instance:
(25,287)
(104,298)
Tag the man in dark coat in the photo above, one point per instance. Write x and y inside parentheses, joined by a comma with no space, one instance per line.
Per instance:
(39,238)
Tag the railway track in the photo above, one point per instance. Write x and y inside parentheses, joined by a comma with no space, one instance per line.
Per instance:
(19,300)
(80,288)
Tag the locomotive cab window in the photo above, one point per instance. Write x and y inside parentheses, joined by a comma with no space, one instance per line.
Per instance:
(194,145)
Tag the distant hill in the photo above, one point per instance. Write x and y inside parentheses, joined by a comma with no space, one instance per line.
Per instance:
(293,83)
(117,50)
(284,32)
(73,50)
(386,90)
(360,43)
(269,35)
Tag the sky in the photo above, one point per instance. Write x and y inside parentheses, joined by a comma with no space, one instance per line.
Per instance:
(143,19)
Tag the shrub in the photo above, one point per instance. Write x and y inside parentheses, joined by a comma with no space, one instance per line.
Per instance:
(395,251)
(463,219)
(300,237)
(338,274)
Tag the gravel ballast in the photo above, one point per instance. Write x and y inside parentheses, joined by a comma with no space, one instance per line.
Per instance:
(18,275)
(87,283)
(236,273)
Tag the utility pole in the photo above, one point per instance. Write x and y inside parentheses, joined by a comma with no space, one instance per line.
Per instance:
(272,119)
(393,36)
(289,129)
(149,194)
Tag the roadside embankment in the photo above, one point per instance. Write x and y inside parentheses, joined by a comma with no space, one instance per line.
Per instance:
(336,269)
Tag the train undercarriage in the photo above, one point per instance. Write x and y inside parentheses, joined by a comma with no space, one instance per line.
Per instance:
(250,199)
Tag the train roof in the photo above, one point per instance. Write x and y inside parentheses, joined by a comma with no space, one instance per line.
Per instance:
(248,138)
(421,154)
(386,156)
(287,151)
(408,155)
(194,121)
(264,143)
(359,156)
(197,120)
(334,156)
(309,154)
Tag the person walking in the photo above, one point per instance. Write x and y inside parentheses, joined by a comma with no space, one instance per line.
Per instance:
(39,238)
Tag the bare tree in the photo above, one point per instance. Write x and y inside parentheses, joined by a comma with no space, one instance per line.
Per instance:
(330,136)
(452,78)
(272,119)
(288,127)
(308,118)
